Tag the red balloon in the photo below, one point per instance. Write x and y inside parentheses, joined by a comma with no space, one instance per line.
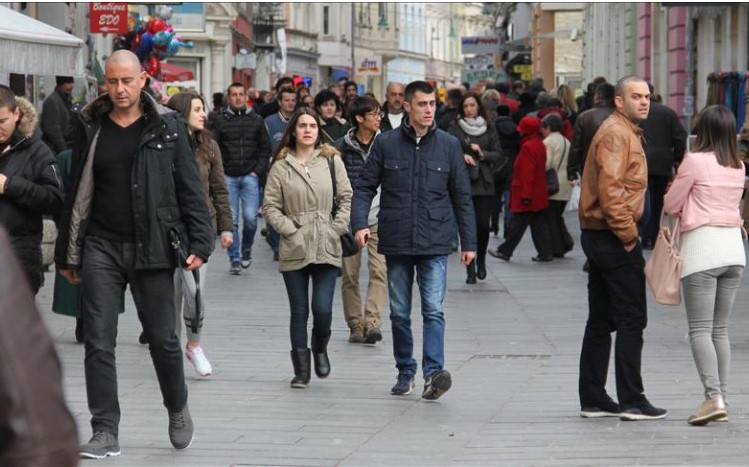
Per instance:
(153,67)
(157,25)
(135,42)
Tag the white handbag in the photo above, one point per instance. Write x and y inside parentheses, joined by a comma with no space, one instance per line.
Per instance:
(663,268)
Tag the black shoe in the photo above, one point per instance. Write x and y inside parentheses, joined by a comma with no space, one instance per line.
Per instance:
(499,255)
(320,355)
(246,260)
(607,408)
(300,359)
(495,230)
(542,259)
(436,385)
(471,273)
(372,334)
(642,411)
(481,271)
(264,232)
(142,338)
(404,385)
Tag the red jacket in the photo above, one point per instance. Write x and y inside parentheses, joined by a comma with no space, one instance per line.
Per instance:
(529,176)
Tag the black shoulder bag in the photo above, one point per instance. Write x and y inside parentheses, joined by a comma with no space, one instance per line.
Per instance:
(348,244)
(552,177)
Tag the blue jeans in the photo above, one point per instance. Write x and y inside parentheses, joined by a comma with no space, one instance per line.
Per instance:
(431,276)
(323,277)
(246,189)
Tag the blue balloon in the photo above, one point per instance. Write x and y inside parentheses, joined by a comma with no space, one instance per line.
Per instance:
(174,46)
(146,45)
(163,38)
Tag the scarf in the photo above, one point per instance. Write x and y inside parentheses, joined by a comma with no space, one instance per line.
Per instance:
(473,126)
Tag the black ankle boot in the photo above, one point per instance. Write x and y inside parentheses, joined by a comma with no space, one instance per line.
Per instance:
(300,359)
(471,273)
(481,269)
(320,355)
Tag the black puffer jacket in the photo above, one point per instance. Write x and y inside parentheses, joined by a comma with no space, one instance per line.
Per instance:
(333,129)
(33,189)
(166,189)
(509,140)
(244,142)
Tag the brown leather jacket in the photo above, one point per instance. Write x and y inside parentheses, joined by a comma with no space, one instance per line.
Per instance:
(36,428)
(615,179)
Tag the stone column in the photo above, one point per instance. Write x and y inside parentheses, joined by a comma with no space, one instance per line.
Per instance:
(220,70)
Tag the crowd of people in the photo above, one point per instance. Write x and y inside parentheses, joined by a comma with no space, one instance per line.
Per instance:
(410,180)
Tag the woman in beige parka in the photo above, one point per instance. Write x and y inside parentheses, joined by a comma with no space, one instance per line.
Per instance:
(299,205)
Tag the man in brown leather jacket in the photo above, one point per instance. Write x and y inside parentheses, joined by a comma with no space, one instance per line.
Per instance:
(36,428)
(611,203)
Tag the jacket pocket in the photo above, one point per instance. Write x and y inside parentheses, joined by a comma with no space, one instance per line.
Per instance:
(293,247)
(440,214)
(333,242)
(438,174)
(396,174)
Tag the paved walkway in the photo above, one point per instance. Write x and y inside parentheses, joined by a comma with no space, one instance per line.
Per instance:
(512,347)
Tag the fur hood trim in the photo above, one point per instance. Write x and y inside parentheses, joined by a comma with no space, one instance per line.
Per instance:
(29,117)
(325,150)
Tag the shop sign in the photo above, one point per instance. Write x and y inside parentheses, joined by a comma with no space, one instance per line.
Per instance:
(108,17)
(479,45)
(369,66)
(478,77)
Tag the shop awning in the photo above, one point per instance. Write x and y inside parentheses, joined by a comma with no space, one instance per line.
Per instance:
(30,47)
(171,73)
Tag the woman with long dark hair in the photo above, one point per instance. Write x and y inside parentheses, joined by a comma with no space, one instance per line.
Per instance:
(481,152)
(299,205)
(705,195)
(192,108)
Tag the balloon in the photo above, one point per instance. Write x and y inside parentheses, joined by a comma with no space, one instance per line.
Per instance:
(162,39)
(164,12)
(175,44)
(146,45)
(157,25)
(160,52)
(153,66)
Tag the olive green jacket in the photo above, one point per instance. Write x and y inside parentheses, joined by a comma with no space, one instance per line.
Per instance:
(298,204)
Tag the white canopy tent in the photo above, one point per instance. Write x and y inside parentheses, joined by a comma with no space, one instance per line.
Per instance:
(30,47)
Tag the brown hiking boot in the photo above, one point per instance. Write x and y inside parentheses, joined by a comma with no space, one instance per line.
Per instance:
(356,336)
(372,334)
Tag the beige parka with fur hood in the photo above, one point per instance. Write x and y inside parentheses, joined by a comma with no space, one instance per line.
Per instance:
(298,204)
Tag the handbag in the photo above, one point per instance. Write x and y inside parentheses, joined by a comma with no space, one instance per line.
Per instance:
(552,179)
(663,268)
(348,244)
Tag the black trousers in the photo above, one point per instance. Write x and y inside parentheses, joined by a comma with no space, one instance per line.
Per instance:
(108,267)
(519,222)
(559,236)
(482,206)
(616,302)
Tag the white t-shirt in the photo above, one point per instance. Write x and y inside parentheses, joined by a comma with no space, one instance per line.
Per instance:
(395,119)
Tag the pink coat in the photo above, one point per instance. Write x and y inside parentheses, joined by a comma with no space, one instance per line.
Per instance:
(705,193)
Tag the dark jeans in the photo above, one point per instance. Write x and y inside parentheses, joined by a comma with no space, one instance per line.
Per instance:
(108,267)
(431,276)
(616,302)
(482,206)
(652,215)
(559,237)
(323,288)
(539,232)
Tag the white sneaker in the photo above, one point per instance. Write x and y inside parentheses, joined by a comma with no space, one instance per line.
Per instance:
(198,360)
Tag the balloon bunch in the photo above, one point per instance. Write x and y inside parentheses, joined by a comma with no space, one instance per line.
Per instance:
(152,39)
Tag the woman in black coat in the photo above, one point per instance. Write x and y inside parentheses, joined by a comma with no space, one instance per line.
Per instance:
(481,152)
(332,127)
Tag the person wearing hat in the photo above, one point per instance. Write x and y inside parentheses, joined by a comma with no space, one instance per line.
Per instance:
(56,115)
(528,194)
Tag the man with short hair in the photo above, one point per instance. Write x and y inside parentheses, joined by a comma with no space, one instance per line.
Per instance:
(30,184)
(424,186)
(355,148)
(56,112)
(279,121)
(393,107)
(135,194)
(245,150)
(272,105)
(611,203)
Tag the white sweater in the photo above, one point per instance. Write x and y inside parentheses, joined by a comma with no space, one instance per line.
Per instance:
(710,247)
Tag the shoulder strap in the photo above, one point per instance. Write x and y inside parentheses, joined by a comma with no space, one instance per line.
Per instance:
(331,166)
(564,153)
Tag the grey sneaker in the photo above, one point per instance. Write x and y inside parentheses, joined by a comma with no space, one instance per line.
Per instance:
(436,385)
(246,260)
(404,385)
(101,445)
(236,268)
(180,428)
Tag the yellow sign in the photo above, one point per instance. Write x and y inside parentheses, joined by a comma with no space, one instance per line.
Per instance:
(172,90)
(525,71)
